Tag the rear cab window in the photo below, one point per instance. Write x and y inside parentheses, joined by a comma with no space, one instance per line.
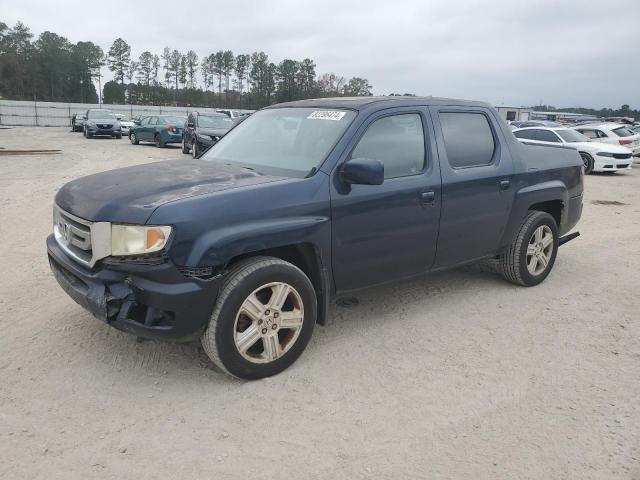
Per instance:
(468,139)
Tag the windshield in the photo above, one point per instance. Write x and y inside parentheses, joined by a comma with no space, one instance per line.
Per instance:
(571,136)
(218,121)
(170,120)
(101,114)
(289,140)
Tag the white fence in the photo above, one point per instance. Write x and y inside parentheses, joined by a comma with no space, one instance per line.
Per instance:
(54,114)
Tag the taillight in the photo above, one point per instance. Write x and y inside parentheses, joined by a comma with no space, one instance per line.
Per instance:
(624,142)
(171,129)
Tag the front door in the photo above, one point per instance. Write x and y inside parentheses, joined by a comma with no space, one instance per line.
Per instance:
(389,231)
(148,126)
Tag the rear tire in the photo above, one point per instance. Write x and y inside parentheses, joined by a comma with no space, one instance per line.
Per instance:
(588,162)
(530,258)
(157,139)
(248,304)
(119,136)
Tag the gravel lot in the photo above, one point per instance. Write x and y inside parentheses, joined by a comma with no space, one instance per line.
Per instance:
(456,375)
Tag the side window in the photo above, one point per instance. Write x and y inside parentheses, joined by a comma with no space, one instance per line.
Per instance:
(397,141)
(151,120)
(547,136)
(589,133)
(600,134)
(468,139)
(527,134)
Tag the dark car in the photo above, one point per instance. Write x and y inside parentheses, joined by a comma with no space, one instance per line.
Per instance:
(159,129)
(101,122)
(303,201)
(203,130)
(77,122)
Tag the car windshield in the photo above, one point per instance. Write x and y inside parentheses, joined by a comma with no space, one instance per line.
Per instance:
(217,121)
(170,120)
(571,136)
(101,114)
(622,132)
(288,141)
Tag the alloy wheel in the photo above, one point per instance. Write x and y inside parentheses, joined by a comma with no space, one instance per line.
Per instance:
(539,250)
(268,322)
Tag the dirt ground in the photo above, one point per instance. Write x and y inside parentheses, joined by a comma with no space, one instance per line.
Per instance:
(457,375)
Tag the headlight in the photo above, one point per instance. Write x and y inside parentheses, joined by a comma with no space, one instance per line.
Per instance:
(90,123)
(138,239)
(604,154)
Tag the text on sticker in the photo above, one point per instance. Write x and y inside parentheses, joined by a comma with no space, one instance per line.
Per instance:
(327,115)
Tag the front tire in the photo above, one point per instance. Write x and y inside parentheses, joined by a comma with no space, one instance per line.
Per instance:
(587,160)
(133,138)
(530,258)
(194,149)
(185,148)
(263,318)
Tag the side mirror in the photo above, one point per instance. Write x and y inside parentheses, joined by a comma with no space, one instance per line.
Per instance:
(363,171)
(136,122)
(191,125)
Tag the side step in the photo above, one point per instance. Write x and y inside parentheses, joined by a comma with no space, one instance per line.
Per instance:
(568,238)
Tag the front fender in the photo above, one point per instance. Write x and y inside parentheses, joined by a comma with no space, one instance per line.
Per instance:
(218,246)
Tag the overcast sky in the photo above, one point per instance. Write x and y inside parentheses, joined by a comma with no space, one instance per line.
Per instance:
(563,53)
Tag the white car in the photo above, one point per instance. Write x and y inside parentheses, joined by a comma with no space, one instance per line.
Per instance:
(597,156)
(613,133)
(126,125)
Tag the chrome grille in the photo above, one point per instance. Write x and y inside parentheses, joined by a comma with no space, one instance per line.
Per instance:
(84,241)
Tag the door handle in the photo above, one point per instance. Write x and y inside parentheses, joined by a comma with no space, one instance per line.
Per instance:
(504,184)
(428,198)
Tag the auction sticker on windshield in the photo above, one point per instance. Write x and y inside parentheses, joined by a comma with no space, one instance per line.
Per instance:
(327,115)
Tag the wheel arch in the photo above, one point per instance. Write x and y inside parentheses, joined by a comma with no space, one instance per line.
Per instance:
(308,258)
(550,196)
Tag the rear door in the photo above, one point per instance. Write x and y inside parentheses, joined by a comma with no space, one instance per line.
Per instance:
(388,231)
(477,175)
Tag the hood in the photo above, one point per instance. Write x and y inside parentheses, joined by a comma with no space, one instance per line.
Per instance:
(600,147)
(218,132)
(131,194)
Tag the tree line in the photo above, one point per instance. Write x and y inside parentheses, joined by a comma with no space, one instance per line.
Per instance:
(53,69)
(624,111)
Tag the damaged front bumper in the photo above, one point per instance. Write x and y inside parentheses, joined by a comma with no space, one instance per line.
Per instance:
(147,300)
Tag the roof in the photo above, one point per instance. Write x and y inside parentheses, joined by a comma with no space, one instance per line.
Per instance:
(362,103)
(609,125)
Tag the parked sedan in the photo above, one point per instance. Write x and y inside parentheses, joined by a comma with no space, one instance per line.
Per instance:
(596,156)
(126,125)
(77,122)
(613,133)
(159,129)
(101,122)
(203,130)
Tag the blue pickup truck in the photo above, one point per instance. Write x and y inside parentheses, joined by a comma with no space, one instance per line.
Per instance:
(246,247)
